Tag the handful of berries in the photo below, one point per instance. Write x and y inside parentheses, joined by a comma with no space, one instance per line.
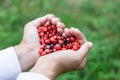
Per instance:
(52,41)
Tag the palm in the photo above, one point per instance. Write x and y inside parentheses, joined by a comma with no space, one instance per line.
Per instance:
(31,36)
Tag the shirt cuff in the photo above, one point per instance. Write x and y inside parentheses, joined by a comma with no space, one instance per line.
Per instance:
(31,76)
(9,64)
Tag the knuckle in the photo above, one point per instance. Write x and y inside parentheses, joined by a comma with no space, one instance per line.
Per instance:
(82,66)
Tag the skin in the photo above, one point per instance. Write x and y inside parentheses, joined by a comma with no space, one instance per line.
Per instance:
(54,64)
(30,43)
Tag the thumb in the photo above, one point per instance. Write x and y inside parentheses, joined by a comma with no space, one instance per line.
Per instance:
(85,48)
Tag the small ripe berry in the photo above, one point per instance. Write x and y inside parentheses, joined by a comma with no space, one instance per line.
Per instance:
(64,49)
(41,46)
(75,48)
(43,53)
(68,39)
(47,41)
(41,34)
(54,50)
(72,39)
(47,51)
(49,27)
(55,37)
(78,46)
(60,41)
(45,29)
(45,37)
(41,41)
(40,50)
(57,46)
(59,37)
(48,46)
(39,29)
(53,40)
(54,30)
(75,43)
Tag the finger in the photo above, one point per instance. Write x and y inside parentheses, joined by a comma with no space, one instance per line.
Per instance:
(64,35)
(85,48)
(47,23)
(60,30)
(67,32)
(50,16)
(78,34)
(60,25)
(55,20)
(38,22)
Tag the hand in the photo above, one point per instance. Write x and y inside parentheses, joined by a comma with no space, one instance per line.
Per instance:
(27,50)
(59,62)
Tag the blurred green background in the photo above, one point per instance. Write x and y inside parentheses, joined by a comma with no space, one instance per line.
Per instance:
(99,20)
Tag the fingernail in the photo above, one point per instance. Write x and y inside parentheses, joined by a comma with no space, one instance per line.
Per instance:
(90,45)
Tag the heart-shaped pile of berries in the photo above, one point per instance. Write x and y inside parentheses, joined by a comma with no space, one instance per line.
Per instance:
(52,41)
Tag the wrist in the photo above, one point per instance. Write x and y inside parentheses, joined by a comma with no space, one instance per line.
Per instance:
(20,50)
(26,54)
(47,67)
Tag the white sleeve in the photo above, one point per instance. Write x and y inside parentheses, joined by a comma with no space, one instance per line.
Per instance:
(9,64)
(31,76)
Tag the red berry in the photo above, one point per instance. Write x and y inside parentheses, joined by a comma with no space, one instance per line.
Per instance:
(50,35)
(61,41)
(64,49)
(43,53)
(41,34)
(45,38)
(45,29)
(47,41)
(59,37)
(78,46)
(49,27)
(48,46)
(41,41)
(54,41)
(41,46)
(47,51)
(54,50)
(55,37)
(75,43)
(57,46)
(68,39)
(71,46)
(54,30)
(72,39)
(40,51)
(75,48)
(39,29)
(68,46)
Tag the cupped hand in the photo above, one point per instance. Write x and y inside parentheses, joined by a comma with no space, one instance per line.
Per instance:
(59,62)
(27,50)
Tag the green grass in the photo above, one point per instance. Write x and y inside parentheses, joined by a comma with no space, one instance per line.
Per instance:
(99,20)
